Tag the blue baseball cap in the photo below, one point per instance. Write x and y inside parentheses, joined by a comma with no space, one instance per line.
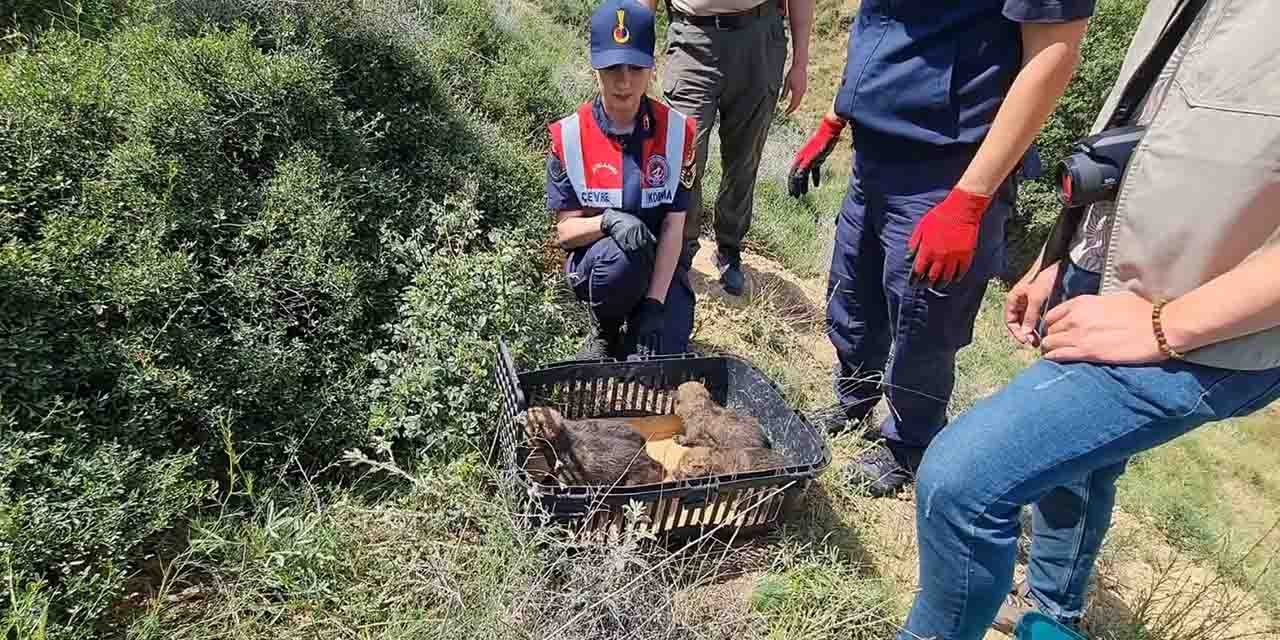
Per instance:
(622,32)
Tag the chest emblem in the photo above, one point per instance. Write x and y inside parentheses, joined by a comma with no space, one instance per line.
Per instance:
(655,174)
(603,167)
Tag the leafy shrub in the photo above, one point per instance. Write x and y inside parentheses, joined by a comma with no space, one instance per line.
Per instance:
(247,236)
(576,13)
(1102,53)
(89,18)
(436,389)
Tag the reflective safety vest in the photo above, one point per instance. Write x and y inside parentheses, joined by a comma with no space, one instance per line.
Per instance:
(593,160)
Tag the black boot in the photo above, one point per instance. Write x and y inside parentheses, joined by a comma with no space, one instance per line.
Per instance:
(884,469)
(729,263)
(603,343)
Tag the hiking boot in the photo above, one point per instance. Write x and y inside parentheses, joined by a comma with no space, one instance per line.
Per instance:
(873,435)
(729,264)
(836,423)
(1015,605)
(884,469)
(829,419)
(603,343)
(860,400)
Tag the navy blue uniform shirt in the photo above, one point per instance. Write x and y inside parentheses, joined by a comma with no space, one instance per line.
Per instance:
(933,73)
(562,197)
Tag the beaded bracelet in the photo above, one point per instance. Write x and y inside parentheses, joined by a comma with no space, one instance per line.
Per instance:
(1159,330)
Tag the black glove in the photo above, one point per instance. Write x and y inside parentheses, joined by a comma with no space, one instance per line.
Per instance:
(629,232)
(644,328)
(807,162)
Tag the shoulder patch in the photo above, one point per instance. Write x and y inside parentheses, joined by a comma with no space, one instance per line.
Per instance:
(555,168)
(686,177)
(688,168)
(688,171)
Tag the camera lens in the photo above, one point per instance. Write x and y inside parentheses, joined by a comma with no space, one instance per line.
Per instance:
(1082,180)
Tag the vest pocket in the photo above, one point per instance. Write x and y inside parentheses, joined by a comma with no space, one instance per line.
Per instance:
(1233,63)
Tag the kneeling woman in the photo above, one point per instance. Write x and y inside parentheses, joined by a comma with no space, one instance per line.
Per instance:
(618,179)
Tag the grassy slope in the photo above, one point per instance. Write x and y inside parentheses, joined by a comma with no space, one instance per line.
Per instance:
(433,556)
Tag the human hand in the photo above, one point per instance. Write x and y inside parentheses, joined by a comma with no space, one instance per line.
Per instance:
(811,156)
(795,85)
(644,328)
(629,232)
(1107,329)
(1025,301)
(942,246)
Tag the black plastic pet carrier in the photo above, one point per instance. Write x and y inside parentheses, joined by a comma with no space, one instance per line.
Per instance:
(733,503)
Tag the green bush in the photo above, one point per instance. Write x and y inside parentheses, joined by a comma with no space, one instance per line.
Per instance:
(1102,53)
(240,239)
(27,19)
(576,13)
(435,390)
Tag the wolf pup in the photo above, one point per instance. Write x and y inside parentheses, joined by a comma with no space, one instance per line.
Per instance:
(699,462)
(707,424)
(593,452)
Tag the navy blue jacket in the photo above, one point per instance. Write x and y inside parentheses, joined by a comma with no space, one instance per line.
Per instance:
(933,73)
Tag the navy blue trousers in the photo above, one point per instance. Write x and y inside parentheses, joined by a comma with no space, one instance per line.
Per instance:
(894,339)
(612,283)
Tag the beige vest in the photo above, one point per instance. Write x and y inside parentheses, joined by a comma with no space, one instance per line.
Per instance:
(1189,208)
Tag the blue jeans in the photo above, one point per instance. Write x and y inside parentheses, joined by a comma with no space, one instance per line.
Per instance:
(1057,437)
(873,309)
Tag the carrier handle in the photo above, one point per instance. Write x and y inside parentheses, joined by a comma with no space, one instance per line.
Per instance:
(685,355)
(508,365)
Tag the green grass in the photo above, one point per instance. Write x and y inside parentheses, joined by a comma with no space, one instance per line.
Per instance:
(824,598)
(436,559)
(436,555)
(795,232)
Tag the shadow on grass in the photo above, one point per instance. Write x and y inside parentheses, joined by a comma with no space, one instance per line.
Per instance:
(791,301)
(1109,617)
(818,520)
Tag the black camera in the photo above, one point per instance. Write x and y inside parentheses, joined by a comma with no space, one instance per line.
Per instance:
(1092,170)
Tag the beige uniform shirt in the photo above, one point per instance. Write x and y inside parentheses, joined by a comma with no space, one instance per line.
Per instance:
(713,7)
(1089,247)
(1188,208)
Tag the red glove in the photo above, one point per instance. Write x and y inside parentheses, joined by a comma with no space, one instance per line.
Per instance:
(811,156)
(942,246)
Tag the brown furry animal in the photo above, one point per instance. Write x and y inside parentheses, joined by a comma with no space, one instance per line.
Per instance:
(707,424)
(594,452)
(709,461)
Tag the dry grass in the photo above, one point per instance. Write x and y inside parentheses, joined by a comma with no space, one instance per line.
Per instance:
(1213,494)
(436,555)
(1149,590)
